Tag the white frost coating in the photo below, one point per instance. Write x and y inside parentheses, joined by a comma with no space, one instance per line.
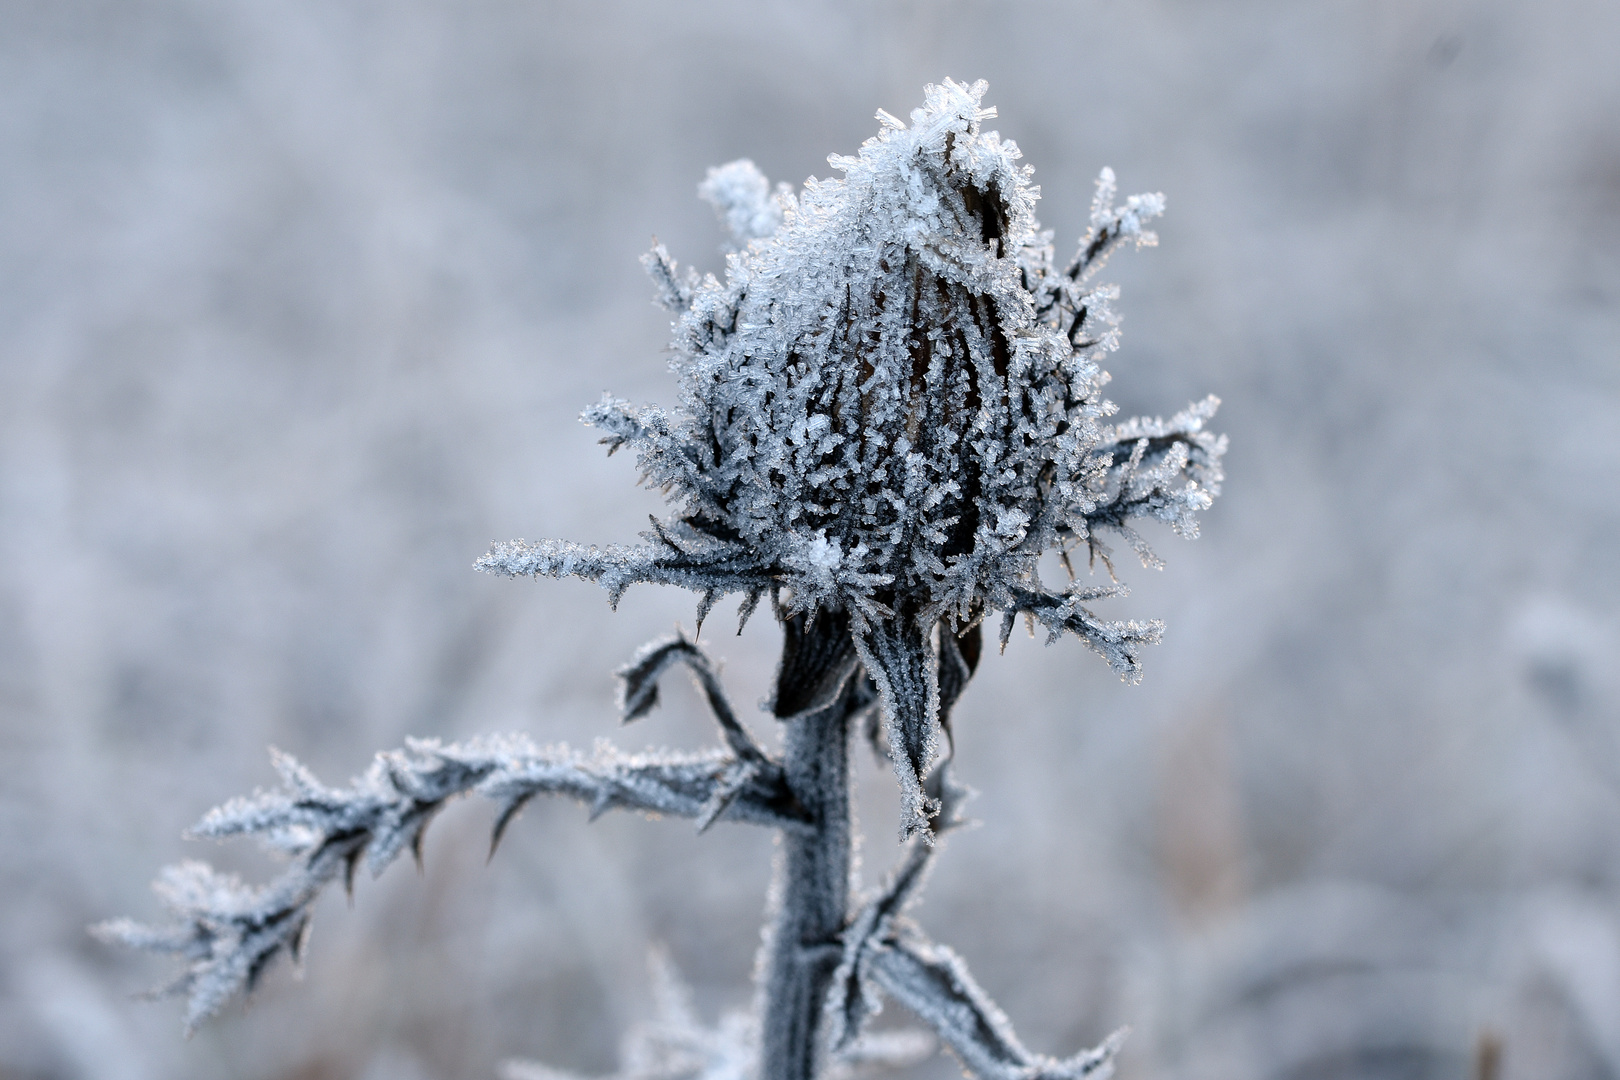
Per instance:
(891,409)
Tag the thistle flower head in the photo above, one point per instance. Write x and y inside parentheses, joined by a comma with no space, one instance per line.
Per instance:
(890,407)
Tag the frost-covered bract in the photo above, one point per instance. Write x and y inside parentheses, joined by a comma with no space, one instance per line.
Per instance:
(890,412)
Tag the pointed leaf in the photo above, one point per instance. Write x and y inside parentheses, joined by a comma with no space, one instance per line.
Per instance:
(906,670)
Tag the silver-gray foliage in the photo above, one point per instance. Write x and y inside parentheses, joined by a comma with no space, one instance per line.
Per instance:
(891,411)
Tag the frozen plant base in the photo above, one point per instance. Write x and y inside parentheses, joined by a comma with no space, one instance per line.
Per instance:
(891,408)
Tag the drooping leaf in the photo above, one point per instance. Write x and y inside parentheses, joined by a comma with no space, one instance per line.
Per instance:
(818,656)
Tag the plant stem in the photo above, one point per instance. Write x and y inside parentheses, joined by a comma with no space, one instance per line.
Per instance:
(810,893)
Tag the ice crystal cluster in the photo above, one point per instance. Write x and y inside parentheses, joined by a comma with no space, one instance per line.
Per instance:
(890,412)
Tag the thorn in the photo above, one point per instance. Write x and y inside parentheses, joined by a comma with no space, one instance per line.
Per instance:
(256,968)
(298,941)
(746,609)
(705,605)
(510,811)
(350,861)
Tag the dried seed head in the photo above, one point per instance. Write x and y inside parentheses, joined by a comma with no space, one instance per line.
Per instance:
(891,408)
(892,399)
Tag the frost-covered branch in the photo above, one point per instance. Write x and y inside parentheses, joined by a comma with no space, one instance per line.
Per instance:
(1065,613)
(934,984)
(229,931)
(638,690)
(884,951)
(853,1001)
(1112,226)
(707,567)
(1171,471)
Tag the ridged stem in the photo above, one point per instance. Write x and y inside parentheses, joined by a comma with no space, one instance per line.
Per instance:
(810,894)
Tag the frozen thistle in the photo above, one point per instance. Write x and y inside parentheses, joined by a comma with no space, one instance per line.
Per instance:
(891,409)
(890,412)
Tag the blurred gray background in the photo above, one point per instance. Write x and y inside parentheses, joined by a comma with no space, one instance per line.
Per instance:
(299,302)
